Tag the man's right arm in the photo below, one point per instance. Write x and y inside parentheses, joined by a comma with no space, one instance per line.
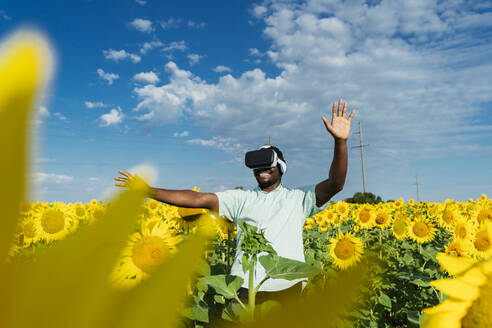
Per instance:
(180,198)
(186,198)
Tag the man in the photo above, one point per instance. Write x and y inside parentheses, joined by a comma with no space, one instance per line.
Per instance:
(280,211)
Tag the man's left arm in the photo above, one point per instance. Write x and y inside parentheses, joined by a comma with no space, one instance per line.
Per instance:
(339,128)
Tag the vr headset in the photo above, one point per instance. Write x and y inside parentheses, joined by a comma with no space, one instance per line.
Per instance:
(263,158)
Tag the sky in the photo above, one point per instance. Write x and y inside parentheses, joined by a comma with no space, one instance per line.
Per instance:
(189,86)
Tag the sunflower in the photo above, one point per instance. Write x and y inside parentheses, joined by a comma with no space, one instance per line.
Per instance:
(80,212)
(456,248)
(53,223)
(482,241)
(448,217)
(227,229)
(470,295)
(411,202)
(399,203)
(365,217)
(462,230)
(25,207)
(342,209)
(310,223)
(484,214)
(28,231)
(421,230)
(144,252)
(346,250)
(382,219)
(400,226)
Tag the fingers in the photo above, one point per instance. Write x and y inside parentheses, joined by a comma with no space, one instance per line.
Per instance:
(127,177)
(351,115)
(340,105)
(327,124)
(126,174)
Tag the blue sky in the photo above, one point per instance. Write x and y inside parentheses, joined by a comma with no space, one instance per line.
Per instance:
(189,86)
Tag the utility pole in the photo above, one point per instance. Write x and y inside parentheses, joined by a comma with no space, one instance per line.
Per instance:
(269,141)
(417,185)
(362,157)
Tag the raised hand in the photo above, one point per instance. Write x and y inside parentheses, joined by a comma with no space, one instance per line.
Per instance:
(126,180)
(339,127)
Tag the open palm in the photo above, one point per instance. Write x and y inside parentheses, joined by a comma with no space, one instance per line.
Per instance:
(339,127)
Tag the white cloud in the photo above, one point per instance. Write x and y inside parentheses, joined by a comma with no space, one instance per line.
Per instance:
(221,69)
(181,134)
(178,22)
(61,117)
(180,45)
(118,55)
(147,46)
(95,104)
(141,2)
(259,11)
(255,52)
(171,23)
(194,59)
(196,25)
(43,112)
(410,68)
(142,25)
(110,77)
(114,117)
(146,77)
(52,178)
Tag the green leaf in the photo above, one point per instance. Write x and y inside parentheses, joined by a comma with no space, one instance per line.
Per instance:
(414,317)
(385,300)
(226,285)
(420,283)
(231,312)
(219,299)
(408,259)
(278,267)
(246,262)
(196,312)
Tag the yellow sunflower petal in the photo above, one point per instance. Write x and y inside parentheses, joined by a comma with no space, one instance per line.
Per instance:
(454,265)
(442,320)
(456,288)
(449,305)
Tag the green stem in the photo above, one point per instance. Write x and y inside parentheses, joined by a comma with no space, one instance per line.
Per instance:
(240,302)
(261,283)
(251,291)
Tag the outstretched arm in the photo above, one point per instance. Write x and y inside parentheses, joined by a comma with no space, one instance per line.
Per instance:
(181,198)
(339,128)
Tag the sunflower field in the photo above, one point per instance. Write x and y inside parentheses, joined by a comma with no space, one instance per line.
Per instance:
(405,239)
(131,263)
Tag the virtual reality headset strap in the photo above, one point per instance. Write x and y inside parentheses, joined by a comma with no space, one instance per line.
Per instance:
(277,160)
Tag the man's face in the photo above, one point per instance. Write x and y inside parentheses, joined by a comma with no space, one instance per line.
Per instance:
(267,177)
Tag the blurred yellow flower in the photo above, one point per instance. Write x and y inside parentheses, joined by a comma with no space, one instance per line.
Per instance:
(470,295)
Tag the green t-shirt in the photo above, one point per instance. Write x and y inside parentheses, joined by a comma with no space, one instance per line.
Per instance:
(281,213)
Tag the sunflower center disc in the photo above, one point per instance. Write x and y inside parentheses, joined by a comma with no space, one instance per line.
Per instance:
(52,221)
(148,252)
(420,229)
(344,249)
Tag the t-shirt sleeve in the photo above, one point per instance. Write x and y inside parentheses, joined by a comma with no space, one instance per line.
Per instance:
(230,203)
(309,202)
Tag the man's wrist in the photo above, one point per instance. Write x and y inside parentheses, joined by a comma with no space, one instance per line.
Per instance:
(340,141)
